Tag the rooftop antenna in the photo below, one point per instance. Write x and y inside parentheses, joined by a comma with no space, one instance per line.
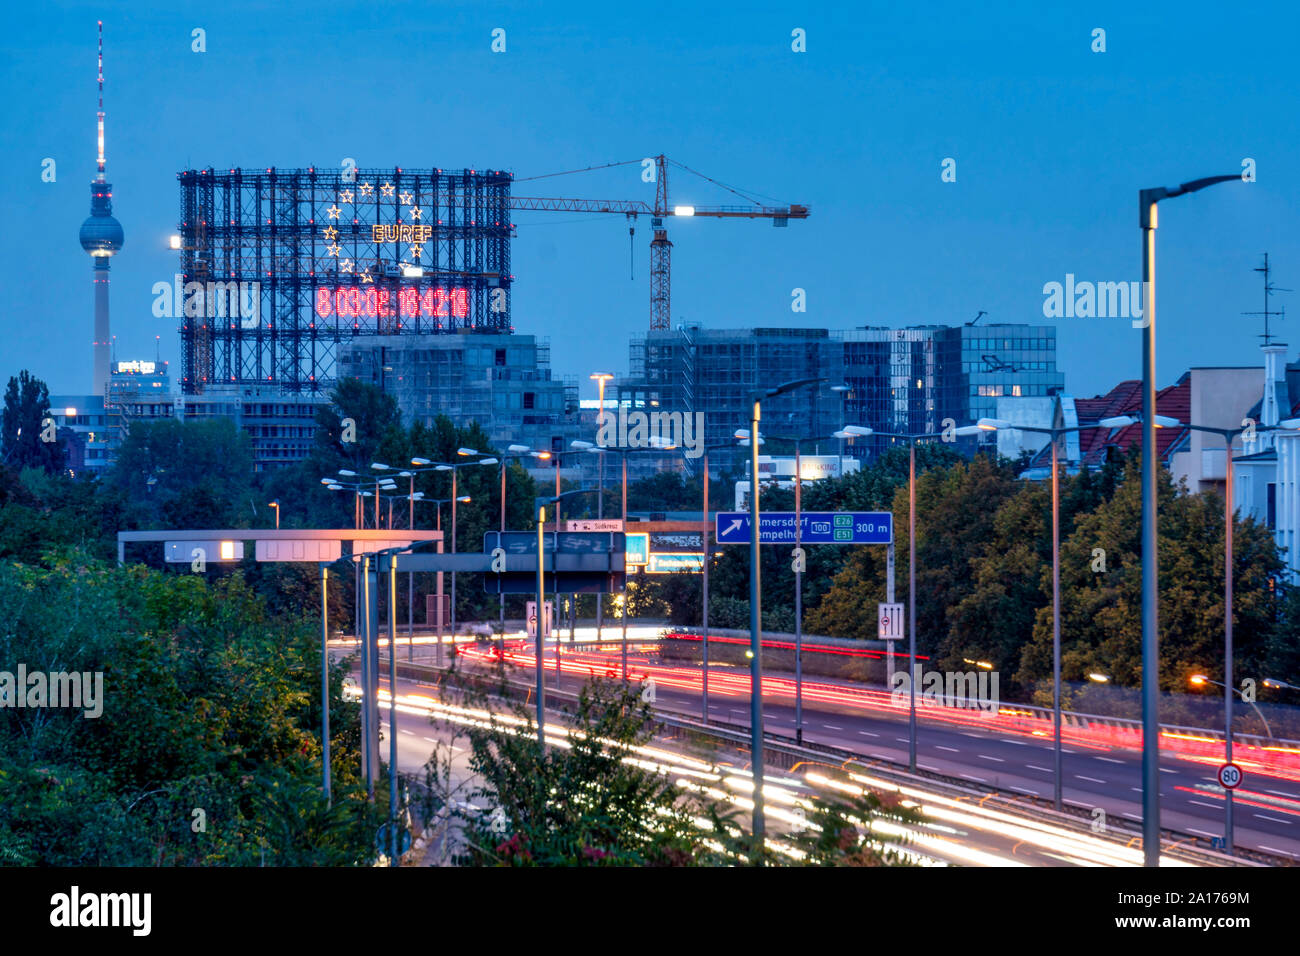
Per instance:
(1269,289)
(981,315)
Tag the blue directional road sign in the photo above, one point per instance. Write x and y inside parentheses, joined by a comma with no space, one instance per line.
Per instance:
(818,527)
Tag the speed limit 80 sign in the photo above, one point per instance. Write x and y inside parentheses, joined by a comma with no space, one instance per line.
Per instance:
(1230,776)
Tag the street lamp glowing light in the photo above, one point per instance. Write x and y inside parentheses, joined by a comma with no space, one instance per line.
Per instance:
(1199,679)
(859,431)
(540,454)
(992,424)
(1099,678)
(468,452)
(967,430)
(378,466)
(420,461)
(1164,421)
(464,498)
(327,481)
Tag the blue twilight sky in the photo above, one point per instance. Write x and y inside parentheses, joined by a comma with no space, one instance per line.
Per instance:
(1051,142)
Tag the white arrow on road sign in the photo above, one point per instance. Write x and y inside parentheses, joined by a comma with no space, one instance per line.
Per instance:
(890,618)
(734,526)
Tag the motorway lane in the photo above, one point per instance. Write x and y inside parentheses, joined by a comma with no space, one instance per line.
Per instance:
(959,833)
(1268,818)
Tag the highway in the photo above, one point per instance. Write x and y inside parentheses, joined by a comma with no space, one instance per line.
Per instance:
(1267,808)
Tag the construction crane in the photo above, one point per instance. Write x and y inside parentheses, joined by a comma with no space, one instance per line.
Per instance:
(660,247)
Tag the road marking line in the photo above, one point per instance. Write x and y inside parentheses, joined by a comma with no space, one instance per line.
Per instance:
(829,726)
(987,757)
(1131,816)
(1271,849)
(865,733)
(1272,819)
(901,740)
(973,777)
(1276,793)
(1089,779)
(1023,790)
(1029,765)
(1202,803)
(949,749)
(432,741)
(1201,832)
(1107,759)
(1162,769)
(1134,789)
(411,733)
(1018,743)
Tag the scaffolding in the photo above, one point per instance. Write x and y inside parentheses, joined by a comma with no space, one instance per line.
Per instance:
(288,264)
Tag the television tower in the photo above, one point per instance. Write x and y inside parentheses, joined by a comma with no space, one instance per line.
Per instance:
(101,236)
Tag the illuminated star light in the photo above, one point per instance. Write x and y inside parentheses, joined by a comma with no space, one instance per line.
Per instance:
(406,198)
(331,232)
(345,265)
(365,277)
(334,249)
(345,196)
(415,212)
(334,212)
(387,189)
(366,189)
(415,252)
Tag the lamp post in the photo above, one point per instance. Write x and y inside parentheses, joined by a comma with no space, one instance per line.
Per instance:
(516,452)
(862,431)
(994,424)
(1147,222)
(656,444)
(276,505)
(744,436)
(755,613)
(708,559)
(454,468)
(541,607)
(600,379)
(844,392)
(1229,513)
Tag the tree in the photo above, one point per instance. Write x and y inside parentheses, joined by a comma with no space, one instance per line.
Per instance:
(27,435)
(188,474)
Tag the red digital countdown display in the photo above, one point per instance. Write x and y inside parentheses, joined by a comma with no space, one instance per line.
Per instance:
(354,302)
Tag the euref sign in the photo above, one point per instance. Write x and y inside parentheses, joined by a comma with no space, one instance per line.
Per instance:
(816,527)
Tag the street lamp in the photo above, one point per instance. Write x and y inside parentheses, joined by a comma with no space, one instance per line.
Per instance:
(657,444)
(994,424)
(1147,222)
(453,468)
(755,610)
(276,505)
(1200,680)
(708,558)
(844,392)
(516,452)
(1229,511)
(743,435)
(862,431)
(600,378)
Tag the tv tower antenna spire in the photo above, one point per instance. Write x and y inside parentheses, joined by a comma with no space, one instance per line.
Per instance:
(101,99)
